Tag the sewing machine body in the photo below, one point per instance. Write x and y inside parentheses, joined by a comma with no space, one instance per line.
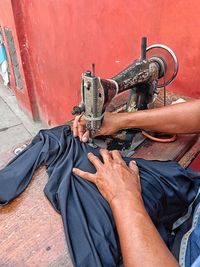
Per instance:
(142,79)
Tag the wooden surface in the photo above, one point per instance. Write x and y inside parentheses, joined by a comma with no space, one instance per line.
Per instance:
(167,151)
(31,232)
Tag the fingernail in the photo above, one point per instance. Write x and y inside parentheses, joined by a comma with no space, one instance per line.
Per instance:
(74,169)
(84,139)
(90,154)
(132,163)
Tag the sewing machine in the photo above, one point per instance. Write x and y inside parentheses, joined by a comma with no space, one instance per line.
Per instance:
(35,209)
(156,68)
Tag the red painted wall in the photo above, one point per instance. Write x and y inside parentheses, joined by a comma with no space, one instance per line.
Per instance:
(24,96)
(63,38)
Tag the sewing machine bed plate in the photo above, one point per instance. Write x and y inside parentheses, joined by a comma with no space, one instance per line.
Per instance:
(31,232)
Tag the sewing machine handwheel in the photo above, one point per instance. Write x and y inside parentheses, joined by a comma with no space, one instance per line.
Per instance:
(167,59)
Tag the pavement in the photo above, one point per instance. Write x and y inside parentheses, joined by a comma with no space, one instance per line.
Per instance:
(15,126)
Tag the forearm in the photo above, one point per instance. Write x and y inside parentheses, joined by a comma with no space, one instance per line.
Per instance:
(140,242)
(179,118)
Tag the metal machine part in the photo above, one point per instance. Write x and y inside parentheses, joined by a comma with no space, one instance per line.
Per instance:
(165,55)
(142,78)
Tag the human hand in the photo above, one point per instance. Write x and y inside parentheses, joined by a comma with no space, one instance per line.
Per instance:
(109,126)
(113,178)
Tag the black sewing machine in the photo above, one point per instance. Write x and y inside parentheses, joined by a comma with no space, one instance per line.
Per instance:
(156,68)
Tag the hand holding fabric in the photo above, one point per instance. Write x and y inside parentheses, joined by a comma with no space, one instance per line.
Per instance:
(109,126)
(112,168)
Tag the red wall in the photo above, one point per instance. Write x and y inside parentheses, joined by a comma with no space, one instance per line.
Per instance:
(24,96)
(63,38)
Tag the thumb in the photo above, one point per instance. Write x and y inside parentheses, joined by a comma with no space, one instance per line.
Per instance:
(133,166)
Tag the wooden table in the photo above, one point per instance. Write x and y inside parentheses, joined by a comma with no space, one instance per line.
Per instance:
(31,232)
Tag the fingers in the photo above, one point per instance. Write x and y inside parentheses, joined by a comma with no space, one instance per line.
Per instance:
(79,127)
(117,156)
(95,161)
(75,126)
(81,131)
(85,175)
(133,166)
(105,155)
(85,136)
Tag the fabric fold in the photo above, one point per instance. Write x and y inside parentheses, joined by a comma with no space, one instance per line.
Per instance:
(91,234)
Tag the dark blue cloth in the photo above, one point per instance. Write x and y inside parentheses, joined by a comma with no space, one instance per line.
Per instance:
(167,191)
(186,245)
(193,240)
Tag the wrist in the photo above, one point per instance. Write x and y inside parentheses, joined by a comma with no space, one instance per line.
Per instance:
(119,121)
(129,208)
(126,120)
(127,198)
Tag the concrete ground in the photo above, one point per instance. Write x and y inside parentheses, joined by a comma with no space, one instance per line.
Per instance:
(15,126)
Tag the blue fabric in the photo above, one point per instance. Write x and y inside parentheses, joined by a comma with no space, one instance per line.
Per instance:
(193,245)
(197,262)
(3,56)
(167,191)
(186,245)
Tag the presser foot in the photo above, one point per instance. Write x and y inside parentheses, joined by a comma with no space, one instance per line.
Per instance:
(126,141)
